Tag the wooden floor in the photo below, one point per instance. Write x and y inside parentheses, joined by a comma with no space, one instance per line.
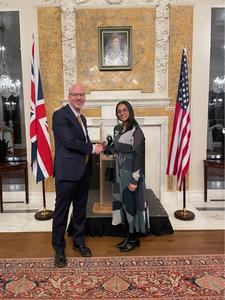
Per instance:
(38,244)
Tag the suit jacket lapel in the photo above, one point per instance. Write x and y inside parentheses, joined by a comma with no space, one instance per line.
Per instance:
(74,119)
(85,126)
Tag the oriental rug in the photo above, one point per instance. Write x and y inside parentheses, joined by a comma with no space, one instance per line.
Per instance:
(152,277)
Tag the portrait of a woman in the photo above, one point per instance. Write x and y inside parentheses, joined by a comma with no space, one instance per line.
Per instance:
(116,51)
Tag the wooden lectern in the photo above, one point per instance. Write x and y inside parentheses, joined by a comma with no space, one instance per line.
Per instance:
(105,204)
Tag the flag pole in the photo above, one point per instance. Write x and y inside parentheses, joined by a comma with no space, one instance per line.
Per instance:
(41,157)
(44,214)
(184,214)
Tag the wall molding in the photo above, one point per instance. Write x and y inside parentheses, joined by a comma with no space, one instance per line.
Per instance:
(162,47)
(15,4)
(68,45)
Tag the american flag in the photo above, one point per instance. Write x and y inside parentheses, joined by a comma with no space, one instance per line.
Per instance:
(41,157)
(179,154)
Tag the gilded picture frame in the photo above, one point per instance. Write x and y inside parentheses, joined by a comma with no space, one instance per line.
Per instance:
(115,47)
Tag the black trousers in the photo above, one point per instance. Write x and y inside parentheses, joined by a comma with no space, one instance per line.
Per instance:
(67,192)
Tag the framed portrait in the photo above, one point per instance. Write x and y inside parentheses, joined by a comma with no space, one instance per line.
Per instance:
(115,48)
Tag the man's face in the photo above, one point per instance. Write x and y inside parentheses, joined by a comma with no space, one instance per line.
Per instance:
(77,97)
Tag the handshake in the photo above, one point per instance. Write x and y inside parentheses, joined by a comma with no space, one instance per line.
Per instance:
(101,147)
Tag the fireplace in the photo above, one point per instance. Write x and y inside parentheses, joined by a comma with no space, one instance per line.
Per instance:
(156,142)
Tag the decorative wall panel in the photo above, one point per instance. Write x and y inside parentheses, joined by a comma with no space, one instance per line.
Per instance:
(50,45)
(141,77)
(181,31)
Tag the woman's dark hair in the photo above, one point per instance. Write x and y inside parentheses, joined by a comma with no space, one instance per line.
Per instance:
(131,122)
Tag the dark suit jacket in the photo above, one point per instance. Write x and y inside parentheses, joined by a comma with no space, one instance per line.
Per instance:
(70,145)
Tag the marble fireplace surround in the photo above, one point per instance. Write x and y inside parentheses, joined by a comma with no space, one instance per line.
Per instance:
(137,98)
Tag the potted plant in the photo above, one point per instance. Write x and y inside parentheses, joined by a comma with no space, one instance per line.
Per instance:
(3,149)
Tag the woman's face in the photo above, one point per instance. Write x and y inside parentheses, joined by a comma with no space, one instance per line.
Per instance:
(122,112)
(116,43)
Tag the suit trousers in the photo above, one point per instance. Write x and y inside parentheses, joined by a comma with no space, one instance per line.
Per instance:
(67,192)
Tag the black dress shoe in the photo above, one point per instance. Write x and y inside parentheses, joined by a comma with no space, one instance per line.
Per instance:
(84,251)
(130,245)
(122,243)
(60,259)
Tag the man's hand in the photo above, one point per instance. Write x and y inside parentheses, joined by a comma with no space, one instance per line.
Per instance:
(99,148)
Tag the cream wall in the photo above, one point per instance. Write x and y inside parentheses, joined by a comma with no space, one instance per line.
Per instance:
(199,94)
(28,16)
(200,91)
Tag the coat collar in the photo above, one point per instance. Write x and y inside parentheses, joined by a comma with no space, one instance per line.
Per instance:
(73,117)
(72,112)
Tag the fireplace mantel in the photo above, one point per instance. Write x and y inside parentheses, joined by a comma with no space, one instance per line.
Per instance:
(135,97)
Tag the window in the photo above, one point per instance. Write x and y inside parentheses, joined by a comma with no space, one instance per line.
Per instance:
(11,104)
(216,131)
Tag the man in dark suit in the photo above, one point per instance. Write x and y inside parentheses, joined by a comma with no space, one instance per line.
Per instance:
(72,174)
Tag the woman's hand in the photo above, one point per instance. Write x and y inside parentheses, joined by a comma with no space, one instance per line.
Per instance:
(132,187)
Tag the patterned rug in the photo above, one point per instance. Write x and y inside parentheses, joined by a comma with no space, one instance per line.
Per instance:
(152,277)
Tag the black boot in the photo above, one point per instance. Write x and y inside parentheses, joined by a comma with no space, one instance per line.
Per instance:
(123,242)
(132,242)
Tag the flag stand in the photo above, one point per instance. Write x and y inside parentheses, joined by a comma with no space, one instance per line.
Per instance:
(44,214)
(183,214)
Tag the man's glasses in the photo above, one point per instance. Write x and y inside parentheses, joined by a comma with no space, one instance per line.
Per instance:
(123,111)
(77,94)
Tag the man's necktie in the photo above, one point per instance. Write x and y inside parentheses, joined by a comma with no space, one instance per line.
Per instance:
(86,156)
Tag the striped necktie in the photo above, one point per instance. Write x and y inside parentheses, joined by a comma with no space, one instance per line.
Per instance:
(86,156)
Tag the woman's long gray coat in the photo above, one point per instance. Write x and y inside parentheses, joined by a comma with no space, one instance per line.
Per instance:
(129,150)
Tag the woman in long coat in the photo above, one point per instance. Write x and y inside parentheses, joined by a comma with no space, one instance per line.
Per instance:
(129,191)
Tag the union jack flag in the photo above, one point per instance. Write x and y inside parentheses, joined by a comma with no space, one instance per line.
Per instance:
(179,154)
(41,156)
